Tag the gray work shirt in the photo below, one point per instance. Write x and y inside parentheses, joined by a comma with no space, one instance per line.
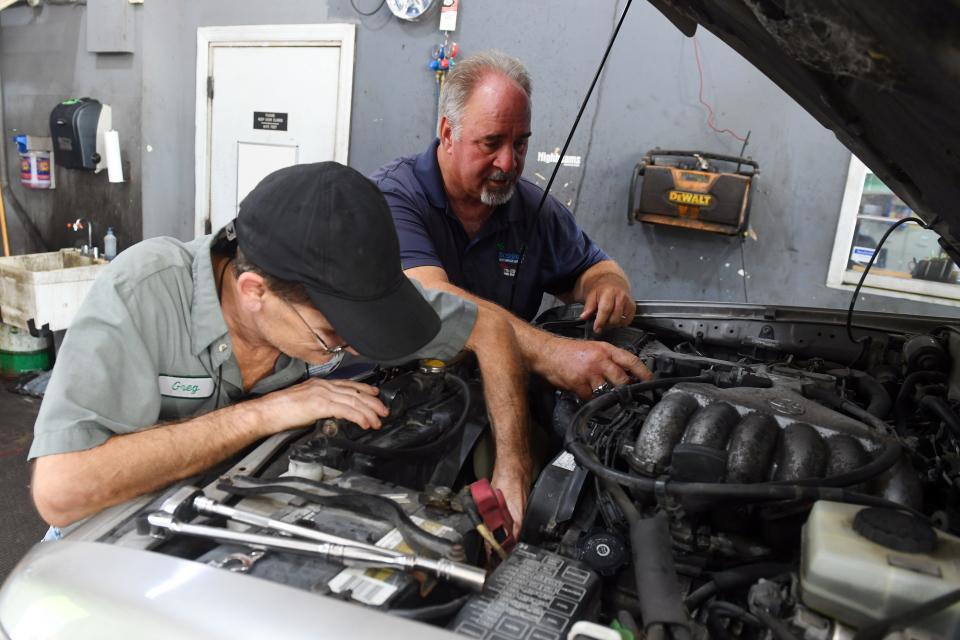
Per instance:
(149,345)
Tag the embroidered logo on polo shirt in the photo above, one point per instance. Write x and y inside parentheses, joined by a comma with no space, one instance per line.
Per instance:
(185,387)
(508,261)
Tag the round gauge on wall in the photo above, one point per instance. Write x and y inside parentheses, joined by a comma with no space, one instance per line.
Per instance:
(410,9)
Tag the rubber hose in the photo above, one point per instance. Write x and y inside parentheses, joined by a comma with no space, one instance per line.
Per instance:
(627,621)
(864,416)
(941,408)
(735,578)
(716,610)
(900,405)
(656,632)
(830,398)
(779,628)
(622,501)
(741,493)
(658,587)
(879,403)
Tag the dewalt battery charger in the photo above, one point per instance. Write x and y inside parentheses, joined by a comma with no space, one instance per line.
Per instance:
(688,189)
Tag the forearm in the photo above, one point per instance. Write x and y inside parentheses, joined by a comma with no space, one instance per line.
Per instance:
(71,486)
(532,343)
(504,387)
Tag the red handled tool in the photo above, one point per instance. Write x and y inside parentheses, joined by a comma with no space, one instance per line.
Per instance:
(493,510)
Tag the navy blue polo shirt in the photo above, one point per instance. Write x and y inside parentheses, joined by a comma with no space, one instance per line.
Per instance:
(557,252)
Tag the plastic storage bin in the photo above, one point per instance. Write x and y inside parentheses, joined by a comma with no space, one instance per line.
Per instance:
(45,287)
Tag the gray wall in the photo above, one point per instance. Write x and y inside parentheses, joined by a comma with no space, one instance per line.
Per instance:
(646,98)
(44,59)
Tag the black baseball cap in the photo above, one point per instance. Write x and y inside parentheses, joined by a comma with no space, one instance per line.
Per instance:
(327,227)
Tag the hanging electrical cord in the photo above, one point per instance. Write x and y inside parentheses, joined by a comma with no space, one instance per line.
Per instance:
(706,105)
(863,341)
(743,270)
(744,139)
(365,13)
(563,151)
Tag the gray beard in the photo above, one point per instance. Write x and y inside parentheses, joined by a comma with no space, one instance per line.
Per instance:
(495,198)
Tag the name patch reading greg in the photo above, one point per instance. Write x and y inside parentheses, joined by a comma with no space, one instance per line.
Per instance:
(185,387)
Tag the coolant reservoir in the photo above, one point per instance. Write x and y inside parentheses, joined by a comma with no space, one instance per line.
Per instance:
(886,564)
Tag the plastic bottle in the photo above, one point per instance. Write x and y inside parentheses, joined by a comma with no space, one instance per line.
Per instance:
(109,245)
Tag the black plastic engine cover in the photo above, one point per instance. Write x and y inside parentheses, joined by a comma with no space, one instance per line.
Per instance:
(533,595)
(553,499)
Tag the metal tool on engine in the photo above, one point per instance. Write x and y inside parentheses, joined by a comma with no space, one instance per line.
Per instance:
(205,505)
(187,501)
(238,562)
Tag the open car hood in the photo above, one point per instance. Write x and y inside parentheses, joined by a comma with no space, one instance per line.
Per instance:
(884,76)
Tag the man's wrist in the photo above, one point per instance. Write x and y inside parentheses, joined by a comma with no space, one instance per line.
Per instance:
(612,278)
(543,350)
(253,415)
(514,454)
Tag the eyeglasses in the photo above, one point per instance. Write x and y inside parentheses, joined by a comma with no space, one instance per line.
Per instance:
(328,350)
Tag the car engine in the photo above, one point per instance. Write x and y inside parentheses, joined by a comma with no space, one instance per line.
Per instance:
(774,480)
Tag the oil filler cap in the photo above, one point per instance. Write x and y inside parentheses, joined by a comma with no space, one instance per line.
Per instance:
(895,530)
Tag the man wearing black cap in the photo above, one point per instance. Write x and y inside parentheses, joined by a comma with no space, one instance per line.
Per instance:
(173,334)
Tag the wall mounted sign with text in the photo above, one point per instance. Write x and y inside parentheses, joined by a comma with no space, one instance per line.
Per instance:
(270,120)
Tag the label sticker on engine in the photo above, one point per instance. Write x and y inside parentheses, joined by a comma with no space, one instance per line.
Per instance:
(362,588)
(566,461)
(375,586)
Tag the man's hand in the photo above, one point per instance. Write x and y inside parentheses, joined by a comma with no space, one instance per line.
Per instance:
(581,366)
(608,298)
(316,399)
(513,478)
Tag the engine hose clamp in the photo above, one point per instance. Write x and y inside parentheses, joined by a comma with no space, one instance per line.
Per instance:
(660,488)
(660,492)
(494,513)
(665,501)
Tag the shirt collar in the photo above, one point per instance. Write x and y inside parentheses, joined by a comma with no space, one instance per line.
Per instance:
(427,170)
(206,317)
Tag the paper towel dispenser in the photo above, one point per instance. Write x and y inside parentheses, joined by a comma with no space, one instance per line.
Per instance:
(77,127)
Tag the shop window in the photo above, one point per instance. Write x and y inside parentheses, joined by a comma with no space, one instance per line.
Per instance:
(910,264)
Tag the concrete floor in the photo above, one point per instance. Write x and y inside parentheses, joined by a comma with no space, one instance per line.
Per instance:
(20,526)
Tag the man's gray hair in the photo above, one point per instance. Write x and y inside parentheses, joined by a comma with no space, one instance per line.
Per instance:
(465,76)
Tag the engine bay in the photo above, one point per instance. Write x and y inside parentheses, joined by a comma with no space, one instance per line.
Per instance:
(774,479)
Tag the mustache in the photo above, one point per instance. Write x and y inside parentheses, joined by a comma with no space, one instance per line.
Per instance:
(502,175)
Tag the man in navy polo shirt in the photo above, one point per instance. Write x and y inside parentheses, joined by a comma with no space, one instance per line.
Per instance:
(468,224)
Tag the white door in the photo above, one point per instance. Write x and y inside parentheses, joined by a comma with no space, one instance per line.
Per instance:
(269,104)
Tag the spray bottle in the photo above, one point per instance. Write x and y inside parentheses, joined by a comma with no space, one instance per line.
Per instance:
(109,245)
